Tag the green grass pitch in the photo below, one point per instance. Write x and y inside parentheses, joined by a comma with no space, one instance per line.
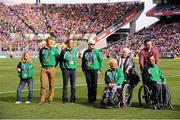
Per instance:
(81,109)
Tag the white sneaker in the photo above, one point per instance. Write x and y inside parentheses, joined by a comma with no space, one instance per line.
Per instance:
(27,102)
(18,102)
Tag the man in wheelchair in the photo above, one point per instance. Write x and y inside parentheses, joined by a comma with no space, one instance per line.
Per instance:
(114,78)
(156,81)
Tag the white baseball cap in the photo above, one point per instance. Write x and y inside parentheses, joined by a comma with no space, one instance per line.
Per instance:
(91,41)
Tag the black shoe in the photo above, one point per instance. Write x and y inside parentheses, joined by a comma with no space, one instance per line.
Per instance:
(92,101)
(111,102)
(72,101)
(65,100)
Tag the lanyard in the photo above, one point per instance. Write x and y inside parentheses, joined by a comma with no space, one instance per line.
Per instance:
(90,56)
(71,56)
(113,76)
(25,65)
(48,53)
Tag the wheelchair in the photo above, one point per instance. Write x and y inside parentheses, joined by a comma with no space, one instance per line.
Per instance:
(146,99)
(122,97)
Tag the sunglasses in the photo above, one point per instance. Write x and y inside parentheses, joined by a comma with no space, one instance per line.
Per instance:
(92,44)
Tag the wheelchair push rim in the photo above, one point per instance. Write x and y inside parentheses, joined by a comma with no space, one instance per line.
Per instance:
(144,96)
(127,95)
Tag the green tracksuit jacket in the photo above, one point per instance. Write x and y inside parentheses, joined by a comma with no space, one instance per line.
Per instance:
(48,57)
(68,59)
(154,73)
(114,76)
(92,60)
(26,70)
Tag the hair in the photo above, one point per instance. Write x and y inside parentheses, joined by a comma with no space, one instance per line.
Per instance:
(49,38)
(147,40)
(113,61)
(23,56)
(67,41)
(126,49)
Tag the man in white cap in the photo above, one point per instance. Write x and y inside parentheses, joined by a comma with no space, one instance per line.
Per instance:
(92,64)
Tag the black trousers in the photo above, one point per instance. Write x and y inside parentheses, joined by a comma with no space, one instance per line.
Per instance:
(160,92)
(91,80)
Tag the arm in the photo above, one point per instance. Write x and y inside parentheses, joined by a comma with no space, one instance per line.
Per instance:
(61,56)
(19,69)
(83,65)
(101,61)
(141,60)
(156,56)
(121,77)
(40,56)
(130,65)
(57,57)
(107,81)
(163,78)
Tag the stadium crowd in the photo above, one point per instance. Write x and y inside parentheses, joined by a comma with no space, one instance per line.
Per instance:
(62,19)
(164,36)
(58,20)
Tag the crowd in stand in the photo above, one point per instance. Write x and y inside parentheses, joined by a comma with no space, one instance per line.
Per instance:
(165,8)
(58,20)
(164,36)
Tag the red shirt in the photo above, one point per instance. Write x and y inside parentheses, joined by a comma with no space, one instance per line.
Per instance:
(143,55)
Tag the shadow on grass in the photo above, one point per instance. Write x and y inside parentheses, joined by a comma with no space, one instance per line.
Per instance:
(81,101)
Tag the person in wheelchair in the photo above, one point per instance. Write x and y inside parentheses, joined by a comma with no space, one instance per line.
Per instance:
(156,81)
(126,63)
(114,78)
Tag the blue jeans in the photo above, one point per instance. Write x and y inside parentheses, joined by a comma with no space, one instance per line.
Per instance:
(22,83)
(109,93)
(66,75)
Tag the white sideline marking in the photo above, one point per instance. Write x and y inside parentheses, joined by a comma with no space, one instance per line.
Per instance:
(39,89)
(170,76)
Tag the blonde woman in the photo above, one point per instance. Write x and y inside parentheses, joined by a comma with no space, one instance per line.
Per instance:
(25,73)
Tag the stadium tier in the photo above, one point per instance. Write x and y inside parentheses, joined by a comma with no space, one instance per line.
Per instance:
(166,38)
(21,22)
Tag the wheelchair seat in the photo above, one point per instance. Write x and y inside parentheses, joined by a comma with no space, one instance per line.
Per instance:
(122,97)
(146,98)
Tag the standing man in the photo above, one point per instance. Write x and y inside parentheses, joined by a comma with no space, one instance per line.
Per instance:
(126,63)
(48,57)
(67,61)
(146,52)
(92,64)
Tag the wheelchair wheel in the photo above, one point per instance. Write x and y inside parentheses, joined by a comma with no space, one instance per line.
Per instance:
(127,95)
(169,99)
(144,96)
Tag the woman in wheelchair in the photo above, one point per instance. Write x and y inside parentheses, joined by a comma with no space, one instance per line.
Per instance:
(156,81)
(114,78)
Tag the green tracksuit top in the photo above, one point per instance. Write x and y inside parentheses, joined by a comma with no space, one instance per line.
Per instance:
(68,59)
(26,70)
(156,74)
(92,60)
(114,76)
(48,57)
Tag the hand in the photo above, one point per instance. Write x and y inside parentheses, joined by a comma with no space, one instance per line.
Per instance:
(19,70)
(109,85)
(163,82)
(99,73)
(127,71)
